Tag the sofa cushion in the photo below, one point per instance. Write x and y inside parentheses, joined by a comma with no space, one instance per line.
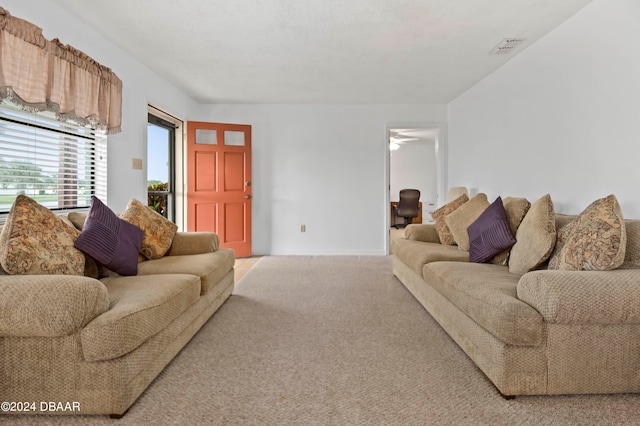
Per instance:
(110,240)
(516,209)
(595,241)
(193,243)
(422,232)
(439,216)
(535,238)
(490,233)
(34,241)
(210,267)
(415,254)
(158,230)
(459,220)
(488,294)
(139,308)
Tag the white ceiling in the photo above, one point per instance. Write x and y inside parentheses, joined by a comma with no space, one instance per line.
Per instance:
(321,51)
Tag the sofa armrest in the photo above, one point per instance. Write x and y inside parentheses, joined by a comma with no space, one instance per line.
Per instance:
(186,243)
(49,305)
(422,232)
(583,297)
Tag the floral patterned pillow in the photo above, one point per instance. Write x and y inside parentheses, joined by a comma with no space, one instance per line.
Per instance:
(595,241)
(158,231)
(445,234)
(561,239)
(34,241)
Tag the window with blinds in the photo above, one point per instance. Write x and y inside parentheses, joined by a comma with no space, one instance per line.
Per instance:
(59,164)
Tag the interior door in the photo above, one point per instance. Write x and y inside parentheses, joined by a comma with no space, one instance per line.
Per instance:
(219,182)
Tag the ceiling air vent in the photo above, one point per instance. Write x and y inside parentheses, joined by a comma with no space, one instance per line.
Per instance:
(506,46)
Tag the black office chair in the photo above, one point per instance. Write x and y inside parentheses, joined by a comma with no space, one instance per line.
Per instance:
(408,206)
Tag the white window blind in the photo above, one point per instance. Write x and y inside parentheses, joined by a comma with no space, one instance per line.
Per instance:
(59,164)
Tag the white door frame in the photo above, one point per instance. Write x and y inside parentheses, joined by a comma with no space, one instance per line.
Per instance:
(441,167)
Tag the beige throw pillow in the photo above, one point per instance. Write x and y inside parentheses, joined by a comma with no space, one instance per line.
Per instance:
(535,237)
(459,220)
(595,241)
(158,230)
(34,241)
(77,219)
(516,209)
(444,233)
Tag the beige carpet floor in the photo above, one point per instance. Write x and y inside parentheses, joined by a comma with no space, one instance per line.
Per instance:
(336,340)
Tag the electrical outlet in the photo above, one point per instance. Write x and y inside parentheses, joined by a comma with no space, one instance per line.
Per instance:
(303,228)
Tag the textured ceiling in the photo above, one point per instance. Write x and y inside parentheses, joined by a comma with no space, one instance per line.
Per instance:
(322,51)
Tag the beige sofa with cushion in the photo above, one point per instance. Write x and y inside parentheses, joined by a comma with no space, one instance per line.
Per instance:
(532,328)
(98,343)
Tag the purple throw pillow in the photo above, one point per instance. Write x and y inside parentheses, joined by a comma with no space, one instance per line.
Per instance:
(490,234)
(111,241)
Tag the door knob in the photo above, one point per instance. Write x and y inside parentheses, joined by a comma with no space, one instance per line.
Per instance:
(247,183)
(248,197)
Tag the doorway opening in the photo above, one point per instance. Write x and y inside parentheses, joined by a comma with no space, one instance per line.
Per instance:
(416,160)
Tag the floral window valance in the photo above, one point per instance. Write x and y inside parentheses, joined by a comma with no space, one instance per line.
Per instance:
(40,75)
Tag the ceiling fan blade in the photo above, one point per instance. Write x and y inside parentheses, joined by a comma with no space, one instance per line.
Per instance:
(402,139)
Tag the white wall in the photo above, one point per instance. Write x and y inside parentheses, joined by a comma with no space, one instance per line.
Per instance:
(562,117)
(140,87)
(413,165)
(322,166)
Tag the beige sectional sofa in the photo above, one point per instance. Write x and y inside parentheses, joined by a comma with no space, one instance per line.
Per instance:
(537,331)
(94,345)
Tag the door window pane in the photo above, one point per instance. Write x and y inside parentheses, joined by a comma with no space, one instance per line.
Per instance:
(232,138)
(206,137)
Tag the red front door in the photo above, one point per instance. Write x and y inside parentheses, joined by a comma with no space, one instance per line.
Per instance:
(219,182)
